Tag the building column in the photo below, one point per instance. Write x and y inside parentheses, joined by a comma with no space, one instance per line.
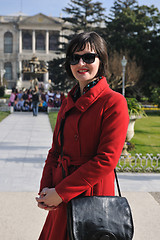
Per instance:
(19,82)
(20,70)
(20,41)
(33,41)
(47,42)
(45,80)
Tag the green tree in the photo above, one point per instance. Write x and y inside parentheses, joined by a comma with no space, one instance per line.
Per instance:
(121,25)
(155,95)
(121,31)
(150,51)
(134,29)
(84,15)
(58,75)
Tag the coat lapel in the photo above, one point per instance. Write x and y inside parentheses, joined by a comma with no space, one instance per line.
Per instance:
(85,101)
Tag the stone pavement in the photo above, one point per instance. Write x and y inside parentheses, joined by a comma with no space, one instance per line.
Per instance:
(24,143)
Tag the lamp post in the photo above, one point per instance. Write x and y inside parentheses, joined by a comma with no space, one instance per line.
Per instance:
(124,63)
(3,71)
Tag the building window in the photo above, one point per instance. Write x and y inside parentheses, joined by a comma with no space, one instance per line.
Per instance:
(8,68)
(53,42)
(40,42)
(27,41)
(8,42)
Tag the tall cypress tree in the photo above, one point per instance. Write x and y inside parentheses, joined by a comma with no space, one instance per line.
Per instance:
(85,15)
(121,24)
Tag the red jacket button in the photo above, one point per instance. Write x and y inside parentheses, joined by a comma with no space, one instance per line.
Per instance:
(76,137)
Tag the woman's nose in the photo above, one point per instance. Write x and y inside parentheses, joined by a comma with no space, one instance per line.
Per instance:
(81,62)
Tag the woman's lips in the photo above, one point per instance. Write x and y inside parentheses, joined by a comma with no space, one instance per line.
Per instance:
(82,71)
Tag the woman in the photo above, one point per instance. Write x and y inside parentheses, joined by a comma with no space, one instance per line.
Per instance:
(96,121)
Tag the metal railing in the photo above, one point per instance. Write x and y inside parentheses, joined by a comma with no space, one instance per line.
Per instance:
(139,163)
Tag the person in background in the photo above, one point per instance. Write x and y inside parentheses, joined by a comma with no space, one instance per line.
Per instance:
(17,106)
(20,104)
(29,94)
(25,95)
(43,106)
(20,94)
(26,106)
(12,98)
(51,94)
(35,101)
(57,99)
(96,121)
(30,105)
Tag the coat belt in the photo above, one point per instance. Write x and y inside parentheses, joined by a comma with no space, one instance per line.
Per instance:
(66,162)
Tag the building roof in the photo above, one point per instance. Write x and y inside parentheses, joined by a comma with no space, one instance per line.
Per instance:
(22,18)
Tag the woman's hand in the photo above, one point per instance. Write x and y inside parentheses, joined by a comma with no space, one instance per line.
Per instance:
(49,199)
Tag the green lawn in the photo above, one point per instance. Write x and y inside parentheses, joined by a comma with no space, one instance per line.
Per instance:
(52,118)
(147,135)
(3,115)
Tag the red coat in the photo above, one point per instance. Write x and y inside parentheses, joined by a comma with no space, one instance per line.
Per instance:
(94,135)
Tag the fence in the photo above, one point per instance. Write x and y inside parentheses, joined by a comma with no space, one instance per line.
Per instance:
(139,163)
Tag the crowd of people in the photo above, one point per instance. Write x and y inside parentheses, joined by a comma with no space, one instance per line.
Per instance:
(24,99)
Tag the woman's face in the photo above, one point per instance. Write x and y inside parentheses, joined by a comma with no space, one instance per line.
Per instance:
(85,72)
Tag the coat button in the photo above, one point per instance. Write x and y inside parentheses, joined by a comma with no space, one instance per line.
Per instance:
(76,137)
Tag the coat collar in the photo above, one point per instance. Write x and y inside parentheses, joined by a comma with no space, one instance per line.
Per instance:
(86,100)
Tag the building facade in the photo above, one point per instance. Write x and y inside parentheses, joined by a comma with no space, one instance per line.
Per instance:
(23,39)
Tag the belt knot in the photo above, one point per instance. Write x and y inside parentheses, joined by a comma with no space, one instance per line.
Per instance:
(65,162)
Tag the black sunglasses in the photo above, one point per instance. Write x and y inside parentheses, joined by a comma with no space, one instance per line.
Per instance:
(87,58)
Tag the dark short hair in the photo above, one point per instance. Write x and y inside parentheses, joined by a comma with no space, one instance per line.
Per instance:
(97,43)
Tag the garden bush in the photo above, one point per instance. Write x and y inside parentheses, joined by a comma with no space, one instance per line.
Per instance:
(2,91)
(155,97)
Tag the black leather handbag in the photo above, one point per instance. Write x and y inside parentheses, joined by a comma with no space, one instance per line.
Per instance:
(98,217)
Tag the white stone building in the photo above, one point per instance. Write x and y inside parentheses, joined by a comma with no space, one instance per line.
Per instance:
(25,37)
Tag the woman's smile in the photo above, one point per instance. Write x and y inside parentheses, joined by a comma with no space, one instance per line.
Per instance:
(82,71)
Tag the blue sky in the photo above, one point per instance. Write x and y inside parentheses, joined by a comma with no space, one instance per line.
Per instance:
(52,7)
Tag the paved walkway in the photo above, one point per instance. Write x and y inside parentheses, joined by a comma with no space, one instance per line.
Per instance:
(24,143)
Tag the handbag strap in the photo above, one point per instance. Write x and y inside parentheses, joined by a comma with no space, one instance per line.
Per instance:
(117,183)
(63,170)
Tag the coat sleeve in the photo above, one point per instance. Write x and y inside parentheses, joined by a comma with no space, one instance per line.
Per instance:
(113,133)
